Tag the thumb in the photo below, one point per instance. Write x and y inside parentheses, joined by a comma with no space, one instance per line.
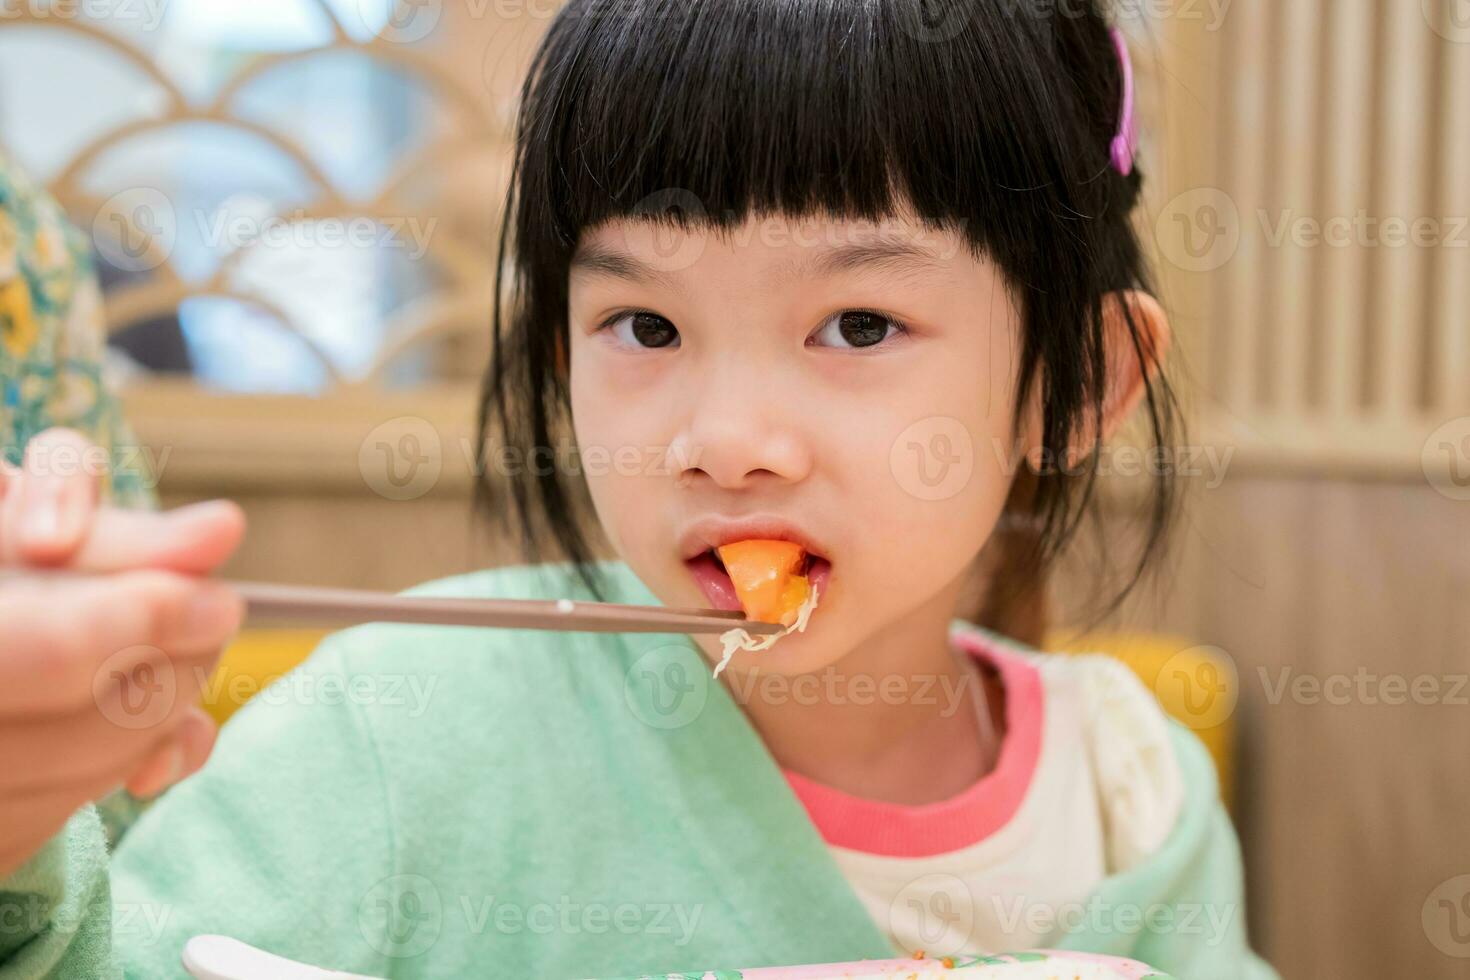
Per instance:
(178,757)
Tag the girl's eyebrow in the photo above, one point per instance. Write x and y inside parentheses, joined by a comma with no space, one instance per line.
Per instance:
(604,260)
(890,253)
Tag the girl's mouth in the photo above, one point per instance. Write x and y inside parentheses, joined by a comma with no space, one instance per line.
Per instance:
(709,573)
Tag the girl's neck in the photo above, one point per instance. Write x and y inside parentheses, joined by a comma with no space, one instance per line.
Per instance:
(894,720)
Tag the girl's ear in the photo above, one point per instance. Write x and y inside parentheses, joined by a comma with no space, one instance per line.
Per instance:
(1127,375)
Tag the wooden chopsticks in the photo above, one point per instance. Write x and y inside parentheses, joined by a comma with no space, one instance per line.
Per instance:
(307,605)
(311,605)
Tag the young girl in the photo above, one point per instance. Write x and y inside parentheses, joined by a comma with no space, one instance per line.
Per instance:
(837,273)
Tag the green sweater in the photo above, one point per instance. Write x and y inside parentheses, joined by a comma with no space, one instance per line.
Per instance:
(442,802)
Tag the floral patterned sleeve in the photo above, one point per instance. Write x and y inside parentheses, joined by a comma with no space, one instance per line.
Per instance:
(52,340)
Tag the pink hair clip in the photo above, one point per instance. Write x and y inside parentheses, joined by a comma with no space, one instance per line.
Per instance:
(1125,143)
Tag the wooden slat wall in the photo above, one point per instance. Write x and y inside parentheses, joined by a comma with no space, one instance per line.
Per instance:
(1346,147)
(1450,295)
(1326,552)
(1324,112)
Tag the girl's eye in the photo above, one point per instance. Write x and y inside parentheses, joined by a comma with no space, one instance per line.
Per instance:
(641,329)
(855,329)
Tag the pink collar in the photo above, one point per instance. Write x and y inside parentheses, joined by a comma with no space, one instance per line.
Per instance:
(899,830)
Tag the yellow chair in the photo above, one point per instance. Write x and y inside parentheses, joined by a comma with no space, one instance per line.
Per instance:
(250,664)
(1195,684)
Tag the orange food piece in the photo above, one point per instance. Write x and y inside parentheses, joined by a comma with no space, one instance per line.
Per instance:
(767,578)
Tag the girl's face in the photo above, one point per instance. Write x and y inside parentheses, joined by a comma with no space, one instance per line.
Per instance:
(845,384)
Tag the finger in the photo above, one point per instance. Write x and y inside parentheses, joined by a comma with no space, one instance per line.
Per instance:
(60,632)
(54,497)
(194,540)
(136,708)
(182,754)
(159,771)
(197,734)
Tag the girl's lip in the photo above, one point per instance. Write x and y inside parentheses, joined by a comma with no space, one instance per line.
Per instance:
(818,573)
(712,580)
(712,532)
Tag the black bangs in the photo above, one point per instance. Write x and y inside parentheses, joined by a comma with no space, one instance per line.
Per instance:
(968,116)
(990,118)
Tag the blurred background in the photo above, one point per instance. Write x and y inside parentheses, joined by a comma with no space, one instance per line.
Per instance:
(293,207)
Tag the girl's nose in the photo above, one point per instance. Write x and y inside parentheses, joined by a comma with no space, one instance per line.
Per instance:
(737,439)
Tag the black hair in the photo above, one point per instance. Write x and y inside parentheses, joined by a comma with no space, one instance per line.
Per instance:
(990,118)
